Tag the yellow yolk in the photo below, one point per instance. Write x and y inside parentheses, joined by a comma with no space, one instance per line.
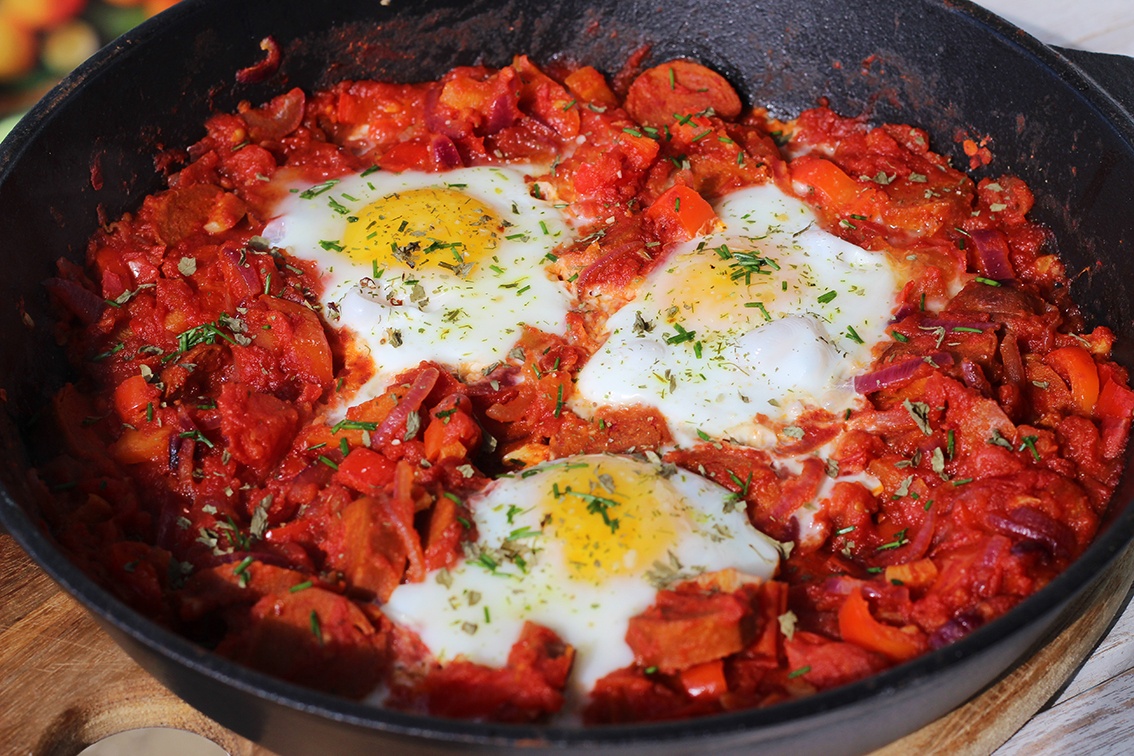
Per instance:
(741,330)
(727,287)
(545,553)
(612,520)
(424,228)
(411,262)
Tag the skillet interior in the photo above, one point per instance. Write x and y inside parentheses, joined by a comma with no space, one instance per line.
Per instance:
(88,149)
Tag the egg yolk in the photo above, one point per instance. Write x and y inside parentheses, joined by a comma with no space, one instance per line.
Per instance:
(612,520)
(719,286)
(424,228)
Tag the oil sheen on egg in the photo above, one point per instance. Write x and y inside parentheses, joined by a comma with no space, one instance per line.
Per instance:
(579,545)
(429,266)
(766,316)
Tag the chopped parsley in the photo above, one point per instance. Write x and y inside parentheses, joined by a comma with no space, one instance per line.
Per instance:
(899,541)
(919,411)
(681,335)
(599,505)
(318,189)
(316,627)
(353,425)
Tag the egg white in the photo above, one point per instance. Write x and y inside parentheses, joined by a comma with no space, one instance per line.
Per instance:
(766,316)
(685,525)
(464,316)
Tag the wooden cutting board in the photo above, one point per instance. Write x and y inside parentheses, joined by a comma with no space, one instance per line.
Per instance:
(64,684)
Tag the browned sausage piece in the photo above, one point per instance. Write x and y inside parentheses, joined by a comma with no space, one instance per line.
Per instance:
(678,88)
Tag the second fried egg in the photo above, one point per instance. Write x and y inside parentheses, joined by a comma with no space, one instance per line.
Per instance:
(764,317)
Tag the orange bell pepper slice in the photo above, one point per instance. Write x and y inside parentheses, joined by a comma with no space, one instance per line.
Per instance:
(682,213)
(916,574)
(1076,366)
(133,396)
(452,432)
(146,445)
(858,626)
(835,189)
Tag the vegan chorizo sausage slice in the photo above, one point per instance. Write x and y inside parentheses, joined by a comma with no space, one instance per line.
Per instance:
(680,87)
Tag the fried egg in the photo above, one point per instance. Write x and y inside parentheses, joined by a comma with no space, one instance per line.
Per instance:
(429,266)
(766,316)
(579,545)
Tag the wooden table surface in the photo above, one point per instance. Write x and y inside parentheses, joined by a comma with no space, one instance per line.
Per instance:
(1094,713)
(1063,707)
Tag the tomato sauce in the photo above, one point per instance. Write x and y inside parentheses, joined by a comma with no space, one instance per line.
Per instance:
(197,475)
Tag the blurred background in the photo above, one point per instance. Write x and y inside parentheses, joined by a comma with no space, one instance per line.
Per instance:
(42,40)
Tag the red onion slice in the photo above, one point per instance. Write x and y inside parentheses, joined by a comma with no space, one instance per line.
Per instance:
(281,116)
(955,629)
(505,110)
(992,254)
(395,423)
(437,121)
(903,312)
(266,67)
(401,509)
(83,303)
(898,372)
(445,152)
(1032,524)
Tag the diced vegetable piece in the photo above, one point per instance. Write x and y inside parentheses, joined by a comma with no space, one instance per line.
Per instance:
(833,187)
(451,433)
(824,663)
(857,625)
(258,427)
(145,445)
(917,574)
(1076,365)
(527,688)
(365,471)
(681,213)
(705,680)
(685,629)
(132,397)
(590,85)
(313,637)
(374,554)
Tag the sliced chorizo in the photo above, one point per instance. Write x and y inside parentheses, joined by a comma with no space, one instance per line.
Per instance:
(671,90)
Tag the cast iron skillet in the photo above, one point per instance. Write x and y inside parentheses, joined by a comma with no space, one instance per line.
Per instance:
(85,154)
